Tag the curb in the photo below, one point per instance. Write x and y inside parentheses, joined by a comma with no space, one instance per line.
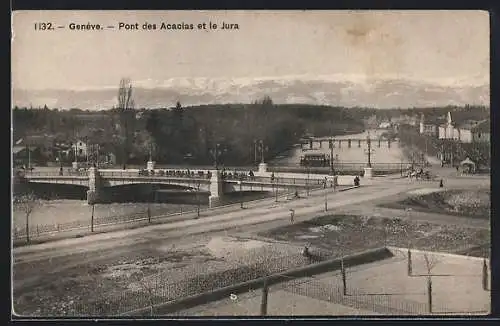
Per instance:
(435,253)
(363,257)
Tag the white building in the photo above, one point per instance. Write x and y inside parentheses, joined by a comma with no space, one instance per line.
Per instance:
(427,128)
(471,131)
(80,148)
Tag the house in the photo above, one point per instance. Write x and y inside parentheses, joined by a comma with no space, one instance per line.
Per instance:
(467,132)
(79,147)
(40,147)
(428,127)
(481,132)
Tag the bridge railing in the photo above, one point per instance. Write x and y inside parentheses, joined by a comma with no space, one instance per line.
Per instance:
(339,167)
(164,174)
(65,173)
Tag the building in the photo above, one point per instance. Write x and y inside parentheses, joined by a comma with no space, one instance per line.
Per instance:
(481,132)
(428,128)
(80,148)
(467,132)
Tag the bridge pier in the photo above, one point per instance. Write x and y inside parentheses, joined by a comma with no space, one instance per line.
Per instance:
(150,165)
(93,194)
(216,191)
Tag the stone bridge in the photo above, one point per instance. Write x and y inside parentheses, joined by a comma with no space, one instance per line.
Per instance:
(97,180)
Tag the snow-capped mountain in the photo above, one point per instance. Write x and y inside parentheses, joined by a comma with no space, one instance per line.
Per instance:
(327,90)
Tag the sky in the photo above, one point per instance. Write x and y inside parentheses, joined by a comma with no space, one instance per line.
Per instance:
(439,46)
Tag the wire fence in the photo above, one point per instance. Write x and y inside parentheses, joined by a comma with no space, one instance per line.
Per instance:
(38,230)
(159,289)
(152,215)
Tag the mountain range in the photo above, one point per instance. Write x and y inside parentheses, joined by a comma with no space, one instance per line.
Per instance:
(374,93)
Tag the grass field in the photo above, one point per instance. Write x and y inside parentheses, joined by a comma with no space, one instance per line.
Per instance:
(471,203)
(349,233)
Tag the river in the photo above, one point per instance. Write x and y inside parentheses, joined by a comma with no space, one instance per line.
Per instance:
(62,211)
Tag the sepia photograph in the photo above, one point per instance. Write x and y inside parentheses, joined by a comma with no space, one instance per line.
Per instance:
(175,164)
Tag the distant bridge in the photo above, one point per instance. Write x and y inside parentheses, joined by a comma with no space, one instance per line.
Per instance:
(98,180)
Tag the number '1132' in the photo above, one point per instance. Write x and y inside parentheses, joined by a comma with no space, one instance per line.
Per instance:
(43,26)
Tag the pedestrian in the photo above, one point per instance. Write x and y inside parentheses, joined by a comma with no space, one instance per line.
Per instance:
(292,215)
(441,183)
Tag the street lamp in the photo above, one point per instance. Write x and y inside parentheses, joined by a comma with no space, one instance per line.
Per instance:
(255,151)
(331,156)
(307,180)
(326,196)
(276,189)
(262,149)
(198,199)
(369,151)
(241,192)
(216,153)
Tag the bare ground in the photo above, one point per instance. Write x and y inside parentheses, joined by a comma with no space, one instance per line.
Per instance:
(343,234)
(471,203)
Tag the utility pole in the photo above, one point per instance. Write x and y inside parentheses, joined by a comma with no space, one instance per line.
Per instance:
(326,195)
(255,152)
(263,303)
(240,182)
(29,157)
(331,156)
(369,151)
(261,151)
(92,219)
(307,181)
(198,200)
(276,186)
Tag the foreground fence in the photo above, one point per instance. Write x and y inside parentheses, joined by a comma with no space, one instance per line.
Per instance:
(159,289)
(40,230)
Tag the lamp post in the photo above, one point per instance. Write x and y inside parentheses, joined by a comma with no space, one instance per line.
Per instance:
(307,180)
(240,183)
(369,151)
(217,152)
(326,196)
(276,189)
(198,200)
(262,149)
(255,151)
(331,156)
(92,219)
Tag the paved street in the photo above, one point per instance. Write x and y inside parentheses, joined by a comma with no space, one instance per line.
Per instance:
(58,255)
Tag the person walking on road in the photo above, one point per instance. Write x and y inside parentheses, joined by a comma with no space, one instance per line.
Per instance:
(292,215)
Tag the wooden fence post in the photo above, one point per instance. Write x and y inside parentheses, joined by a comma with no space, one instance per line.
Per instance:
(409,263)
(429,293)
(263,304)
(344,281)
(485,275)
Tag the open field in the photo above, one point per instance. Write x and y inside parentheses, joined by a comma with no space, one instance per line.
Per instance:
(471,203)
(350,233)
(158,272)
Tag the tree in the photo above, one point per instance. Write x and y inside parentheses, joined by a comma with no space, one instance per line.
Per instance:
(26,203)
(430,263)
(126,116)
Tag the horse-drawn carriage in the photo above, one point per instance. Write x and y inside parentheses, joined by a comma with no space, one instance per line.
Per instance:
(420,174)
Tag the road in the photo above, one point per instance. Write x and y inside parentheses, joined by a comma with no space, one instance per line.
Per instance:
(36,263)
